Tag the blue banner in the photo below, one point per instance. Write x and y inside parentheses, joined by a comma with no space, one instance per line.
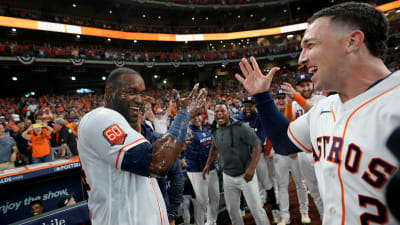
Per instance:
(16,197)
(71,215)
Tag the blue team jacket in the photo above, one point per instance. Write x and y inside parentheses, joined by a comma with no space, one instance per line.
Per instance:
(255,123)
(196,154)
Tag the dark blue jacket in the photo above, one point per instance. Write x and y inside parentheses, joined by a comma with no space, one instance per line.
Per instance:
(255,123)
(196,154)
(172,185)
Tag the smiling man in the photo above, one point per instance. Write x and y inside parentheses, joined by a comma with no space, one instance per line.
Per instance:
(344,47)
(118,160)
(239,149)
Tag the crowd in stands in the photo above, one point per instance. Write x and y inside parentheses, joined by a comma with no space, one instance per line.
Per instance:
(102,52)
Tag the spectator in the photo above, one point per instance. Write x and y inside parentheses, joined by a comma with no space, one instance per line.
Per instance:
(66,200)
(64,136)
(8,150)
(206,190)
(40,141)
(36,207)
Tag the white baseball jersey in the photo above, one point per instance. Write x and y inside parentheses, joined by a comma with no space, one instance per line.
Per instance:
(299,111)
(116,196)
(352,163)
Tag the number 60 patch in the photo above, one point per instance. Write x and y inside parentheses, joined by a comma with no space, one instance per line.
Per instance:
(114,135)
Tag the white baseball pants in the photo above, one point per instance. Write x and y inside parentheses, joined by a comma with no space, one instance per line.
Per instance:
(283,165)
(233,186)
(306,163)
(207,196)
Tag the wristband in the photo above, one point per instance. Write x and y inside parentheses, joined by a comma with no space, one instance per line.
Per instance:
(299,99)
(179,127)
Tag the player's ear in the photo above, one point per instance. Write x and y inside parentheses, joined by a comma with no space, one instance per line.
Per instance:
(109,92)
(354,41)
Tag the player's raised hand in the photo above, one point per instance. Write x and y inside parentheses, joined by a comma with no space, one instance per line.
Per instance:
(194,102)
(253,79)
(288,89)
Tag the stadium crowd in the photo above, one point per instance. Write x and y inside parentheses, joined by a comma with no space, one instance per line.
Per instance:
(102,52)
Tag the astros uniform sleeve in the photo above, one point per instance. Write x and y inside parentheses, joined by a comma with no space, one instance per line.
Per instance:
(299,132)
(110,136)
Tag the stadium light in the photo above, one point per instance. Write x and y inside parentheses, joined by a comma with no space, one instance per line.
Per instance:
(165,81)
(103,77)
(13,29)
(206,17)
(159,17)
(144,16)
(251,15)
(14,78)
(78,36)
(216,77)
(110,11)
(155,76)
(193,18)
(73,78)
(108,39)
(238,16)
(74,5)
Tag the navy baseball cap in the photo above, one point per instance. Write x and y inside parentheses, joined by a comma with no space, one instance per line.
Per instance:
(249,99)
(64,199)
(280,93)
(302,77)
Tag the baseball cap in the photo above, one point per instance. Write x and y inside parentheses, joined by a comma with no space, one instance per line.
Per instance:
(36,125)
(280,93)
(302,77)
(159,110)
(64,199)
(249,99)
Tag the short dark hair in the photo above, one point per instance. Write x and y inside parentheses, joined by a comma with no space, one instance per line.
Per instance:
(36,202)
(364,17)
(113,77)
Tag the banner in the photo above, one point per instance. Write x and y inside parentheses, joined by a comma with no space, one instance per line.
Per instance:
(71,215)
(293,54)
(120,62)
(176,63)
(149,64)
(200,64)
(17,194)
(26,60)
(77,62)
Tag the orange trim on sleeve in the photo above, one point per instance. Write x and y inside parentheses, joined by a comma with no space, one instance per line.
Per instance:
(298,142)
(344,134)
(158,204)
(119,153)
(289,112)
(333,114)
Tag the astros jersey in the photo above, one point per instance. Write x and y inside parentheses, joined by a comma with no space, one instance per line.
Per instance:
(352,163)
(116,196)
(299,111)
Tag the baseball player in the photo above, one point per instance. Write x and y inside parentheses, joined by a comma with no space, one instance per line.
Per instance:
(344,47)
(206,190)
(304,96)
(118,160)
(284,164)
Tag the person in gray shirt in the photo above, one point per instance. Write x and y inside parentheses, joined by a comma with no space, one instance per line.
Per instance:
(8,150)
(239,148)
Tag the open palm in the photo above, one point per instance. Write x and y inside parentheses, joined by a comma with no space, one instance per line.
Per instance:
(253,80)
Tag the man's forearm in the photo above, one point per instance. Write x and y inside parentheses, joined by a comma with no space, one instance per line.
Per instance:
(212,155)
(255,156)
(167,148)
(275,124)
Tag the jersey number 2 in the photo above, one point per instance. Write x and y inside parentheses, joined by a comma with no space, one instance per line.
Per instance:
(366,218)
